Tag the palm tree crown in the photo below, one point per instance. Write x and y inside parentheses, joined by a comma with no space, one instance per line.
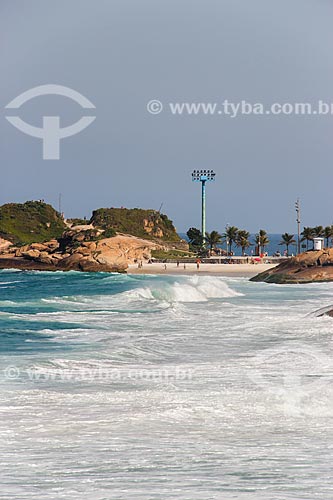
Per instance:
(213,239)
(307,235)
(328,234)
(242,240)
(318,231)
(231,235)
(262,239)
(287,239)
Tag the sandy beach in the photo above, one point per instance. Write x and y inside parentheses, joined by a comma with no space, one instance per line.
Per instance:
(235,270)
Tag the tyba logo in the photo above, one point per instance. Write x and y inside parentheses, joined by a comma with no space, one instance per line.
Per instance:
(51,133)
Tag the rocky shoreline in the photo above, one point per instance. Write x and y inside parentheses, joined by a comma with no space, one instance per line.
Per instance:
(34,236)
(79,250)
(308,267)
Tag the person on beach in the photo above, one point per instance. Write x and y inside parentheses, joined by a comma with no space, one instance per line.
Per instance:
(198,263)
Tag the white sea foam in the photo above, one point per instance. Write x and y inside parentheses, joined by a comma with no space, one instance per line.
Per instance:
(6,271)
(192,289)
(154,294)
(254,421)
(10,282)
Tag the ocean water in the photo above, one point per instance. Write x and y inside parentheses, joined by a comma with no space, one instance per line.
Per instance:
(160,387)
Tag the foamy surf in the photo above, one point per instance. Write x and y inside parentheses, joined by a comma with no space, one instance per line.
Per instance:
(161,293)
(156,377)
(186,290)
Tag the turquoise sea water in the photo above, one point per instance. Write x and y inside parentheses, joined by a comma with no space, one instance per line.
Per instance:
(162,387)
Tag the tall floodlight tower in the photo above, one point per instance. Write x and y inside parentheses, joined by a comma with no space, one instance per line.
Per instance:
(203,176)
(298,220)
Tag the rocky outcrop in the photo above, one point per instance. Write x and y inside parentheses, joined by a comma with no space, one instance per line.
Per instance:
(33,235)
(30,222)
(80,250)
(308,267)
(146,224)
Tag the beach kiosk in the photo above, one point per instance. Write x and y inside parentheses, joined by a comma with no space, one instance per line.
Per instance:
(318,243)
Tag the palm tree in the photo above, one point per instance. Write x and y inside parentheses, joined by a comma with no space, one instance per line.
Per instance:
(328,234)
(213,239)
(231,235)
(307,235)
(318,231)
(287,239)
(242,240)
(262,240)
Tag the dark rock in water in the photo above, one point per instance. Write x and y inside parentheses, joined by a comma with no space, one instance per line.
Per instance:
(308,267)
(24,264)
(324,311)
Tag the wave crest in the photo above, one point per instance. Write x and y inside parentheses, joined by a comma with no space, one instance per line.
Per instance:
(193,289)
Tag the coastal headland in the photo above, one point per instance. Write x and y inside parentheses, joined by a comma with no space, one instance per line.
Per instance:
(34,236)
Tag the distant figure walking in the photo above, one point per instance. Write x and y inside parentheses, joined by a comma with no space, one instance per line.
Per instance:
(165,266)
(177,263)
(198,263)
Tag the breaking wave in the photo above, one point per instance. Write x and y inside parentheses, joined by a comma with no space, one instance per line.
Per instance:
(193,289)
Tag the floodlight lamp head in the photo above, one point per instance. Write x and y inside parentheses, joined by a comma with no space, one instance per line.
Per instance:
(203,175)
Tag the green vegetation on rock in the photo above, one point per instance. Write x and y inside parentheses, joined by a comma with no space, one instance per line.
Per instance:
(30,222)
(170,254)
(148,224)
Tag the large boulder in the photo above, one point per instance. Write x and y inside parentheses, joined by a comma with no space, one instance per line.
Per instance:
(4,245)
(31,254)
(126,248)
(39,246)
(308,267)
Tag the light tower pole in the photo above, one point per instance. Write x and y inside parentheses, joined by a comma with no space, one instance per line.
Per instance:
(227,237)
(203,176)
(298,220)
(259,243)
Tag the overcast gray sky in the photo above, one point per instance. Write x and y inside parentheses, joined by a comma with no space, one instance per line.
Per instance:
(122,53)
